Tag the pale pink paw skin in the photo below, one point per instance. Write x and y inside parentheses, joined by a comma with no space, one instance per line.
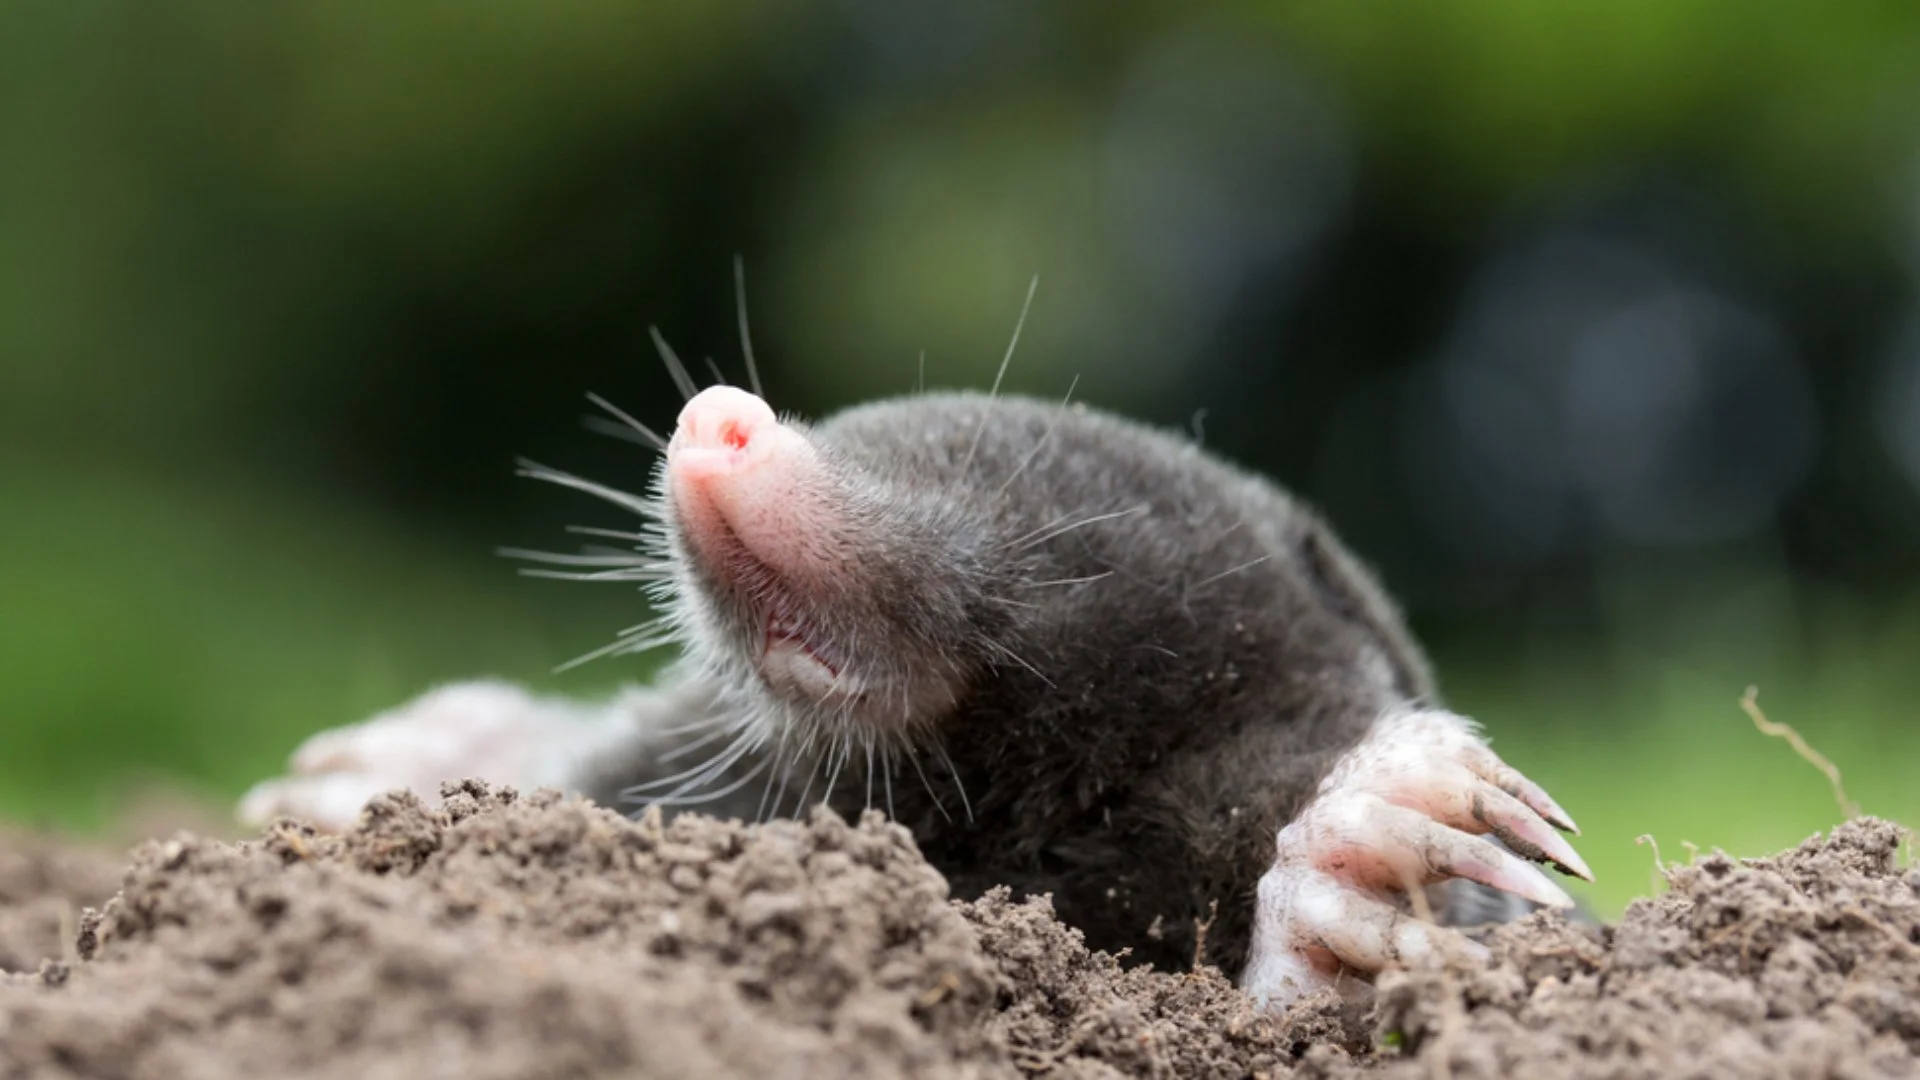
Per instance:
(494,731)
(1408,806)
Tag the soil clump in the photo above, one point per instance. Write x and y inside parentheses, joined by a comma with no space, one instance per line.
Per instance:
(509,936)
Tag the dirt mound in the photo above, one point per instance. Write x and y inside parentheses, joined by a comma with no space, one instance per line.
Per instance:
(1806,964)
(44,883)
(542,937)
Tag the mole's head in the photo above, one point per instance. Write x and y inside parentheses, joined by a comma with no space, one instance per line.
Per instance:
(838,601)
(985,567)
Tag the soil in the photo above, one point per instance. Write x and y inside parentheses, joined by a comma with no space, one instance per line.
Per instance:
(539,937)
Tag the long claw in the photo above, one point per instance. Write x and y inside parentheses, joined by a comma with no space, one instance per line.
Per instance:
(1520,828)
(1488,766)
(1551,810)
(1420,800)
(1449,852)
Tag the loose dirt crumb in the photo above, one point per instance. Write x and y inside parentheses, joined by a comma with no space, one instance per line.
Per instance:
(1069,1012)
(1801,965)
(45,881)
(519,938)
(542,937)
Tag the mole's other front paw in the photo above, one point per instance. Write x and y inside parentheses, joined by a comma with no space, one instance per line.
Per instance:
(1410,805)
(494,731)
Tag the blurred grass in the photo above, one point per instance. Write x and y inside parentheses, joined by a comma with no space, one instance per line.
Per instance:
(197,635)
(1644,734)
(221,223)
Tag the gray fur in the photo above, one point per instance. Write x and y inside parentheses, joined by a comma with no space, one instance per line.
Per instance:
(1131,742)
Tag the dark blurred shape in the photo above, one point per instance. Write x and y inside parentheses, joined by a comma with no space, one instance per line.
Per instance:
(1593,396)
(378,256)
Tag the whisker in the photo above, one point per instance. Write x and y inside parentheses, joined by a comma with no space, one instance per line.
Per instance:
(928,784)
(627,559)
(800,808)
(1019,325)
(920,386)
(621,415)
(625,500)
(614,534)
(714,369)
(616,647)
(947,760)
(740,309)
(1049,532)
(720,793)
(869,742)
(658,622)
(719,762)
(1035,532)
(1066,581)
(1010,602)
(785,773)
(687,748)
(1044,436)
(1248,565)
(600,425)
(886,777)
(697,725)
(1015,657)
(637,572)
(714,771)
(675,369)
(833,774)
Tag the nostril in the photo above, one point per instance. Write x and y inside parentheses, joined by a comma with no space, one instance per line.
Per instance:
(724,419)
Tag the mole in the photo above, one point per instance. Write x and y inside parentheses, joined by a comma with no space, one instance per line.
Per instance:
(1073,654)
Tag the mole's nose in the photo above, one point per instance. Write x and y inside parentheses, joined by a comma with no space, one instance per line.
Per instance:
(722,430)
(722,425)
(738,475)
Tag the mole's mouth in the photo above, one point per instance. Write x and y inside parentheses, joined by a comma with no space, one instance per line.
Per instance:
(784,632)
(794,657)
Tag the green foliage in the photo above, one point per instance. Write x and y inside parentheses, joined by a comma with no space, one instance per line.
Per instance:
(193,635)
(223,227)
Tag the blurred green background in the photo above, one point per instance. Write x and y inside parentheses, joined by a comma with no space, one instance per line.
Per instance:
(1594,326)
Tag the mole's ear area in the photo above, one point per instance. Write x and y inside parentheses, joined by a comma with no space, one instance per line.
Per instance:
(1345,586)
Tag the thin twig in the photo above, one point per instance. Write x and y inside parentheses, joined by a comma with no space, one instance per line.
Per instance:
(1751,703)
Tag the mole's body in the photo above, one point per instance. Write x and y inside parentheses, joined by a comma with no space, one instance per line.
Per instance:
(1073,654)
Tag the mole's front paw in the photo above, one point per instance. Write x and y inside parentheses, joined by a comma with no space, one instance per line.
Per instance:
(1410,805)
(489,730)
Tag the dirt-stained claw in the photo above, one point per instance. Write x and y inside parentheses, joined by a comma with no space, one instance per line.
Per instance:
(1508,779)
(1464,798)
(1508,872)
(1447,852)
(1536,797)
(1483,761)
(1420,800)
(1550,810)
(1521,828)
